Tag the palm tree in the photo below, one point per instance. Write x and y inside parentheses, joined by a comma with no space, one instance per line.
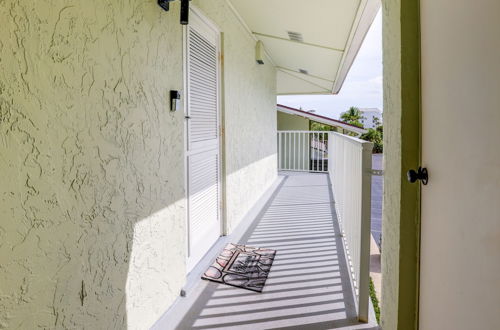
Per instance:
(376,136)
(352,116)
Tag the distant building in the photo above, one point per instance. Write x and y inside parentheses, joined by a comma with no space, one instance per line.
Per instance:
(369,115)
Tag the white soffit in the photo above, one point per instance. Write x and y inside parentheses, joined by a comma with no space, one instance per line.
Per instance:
(294,83)
(329,35)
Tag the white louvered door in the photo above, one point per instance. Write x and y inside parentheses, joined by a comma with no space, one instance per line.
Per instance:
(203,157)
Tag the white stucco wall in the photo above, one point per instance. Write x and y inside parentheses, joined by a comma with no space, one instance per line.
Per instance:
(391,221)
(92,196)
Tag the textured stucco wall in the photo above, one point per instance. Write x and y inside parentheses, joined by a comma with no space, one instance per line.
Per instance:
(92,195)
(392,165)
(291,122)
(92,199)
(250,115)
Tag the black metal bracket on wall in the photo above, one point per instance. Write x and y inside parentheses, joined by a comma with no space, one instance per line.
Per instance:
(165,5)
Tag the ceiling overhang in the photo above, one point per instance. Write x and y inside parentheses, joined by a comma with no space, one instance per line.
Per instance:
(312,43)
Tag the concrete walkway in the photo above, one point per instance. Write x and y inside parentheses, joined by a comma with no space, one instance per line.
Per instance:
(308,287)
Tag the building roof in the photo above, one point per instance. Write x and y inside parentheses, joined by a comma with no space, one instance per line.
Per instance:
(311,43)
(320,119)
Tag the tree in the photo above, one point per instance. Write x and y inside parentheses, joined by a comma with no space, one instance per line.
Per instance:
(315,126)
(375,135)
(353,116)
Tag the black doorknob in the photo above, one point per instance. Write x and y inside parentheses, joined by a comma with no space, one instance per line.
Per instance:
(421,174)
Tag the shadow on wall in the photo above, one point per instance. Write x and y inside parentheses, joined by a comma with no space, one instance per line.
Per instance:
(92,196)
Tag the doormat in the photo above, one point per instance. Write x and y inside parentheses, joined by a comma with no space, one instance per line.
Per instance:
(241,266)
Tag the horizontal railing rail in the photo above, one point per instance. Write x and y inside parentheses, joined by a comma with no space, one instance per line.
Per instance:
(350,170)
(303,151)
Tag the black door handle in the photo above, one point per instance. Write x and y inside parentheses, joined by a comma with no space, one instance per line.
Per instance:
(421,174)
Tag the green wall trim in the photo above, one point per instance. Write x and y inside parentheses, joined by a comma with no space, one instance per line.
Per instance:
(411,158)
(401,219)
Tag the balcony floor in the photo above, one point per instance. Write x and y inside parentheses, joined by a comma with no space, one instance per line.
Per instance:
(308,287)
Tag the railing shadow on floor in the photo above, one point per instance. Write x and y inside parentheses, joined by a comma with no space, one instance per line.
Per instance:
(309,286)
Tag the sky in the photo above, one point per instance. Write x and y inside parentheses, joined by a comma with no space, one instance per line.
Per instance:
(362,87)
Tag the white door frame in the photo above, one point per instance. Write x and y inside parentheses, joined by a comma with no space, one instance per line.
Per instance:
(222,219)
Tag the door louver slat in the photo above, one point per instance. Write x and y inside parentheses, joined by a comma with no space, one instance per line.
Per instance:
(203,190)
(203,88)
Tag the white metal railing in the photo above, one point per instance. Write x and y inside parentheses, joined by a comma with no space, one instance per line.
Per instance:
(348,161)
(303,151)
(350,167)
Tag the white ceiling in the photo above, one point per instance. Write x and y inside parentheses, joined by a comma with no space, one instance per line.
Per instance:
(332,32)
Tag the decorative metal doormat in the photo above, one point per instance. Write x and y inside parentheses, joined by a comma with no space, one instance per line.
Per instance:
(242,266)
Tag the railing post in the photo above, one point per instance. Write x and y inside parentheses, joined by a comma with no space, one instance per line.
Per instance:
(364,267)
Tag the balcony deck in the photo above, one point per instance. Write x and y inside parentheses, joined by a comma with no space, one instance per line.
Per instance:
(308,287)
